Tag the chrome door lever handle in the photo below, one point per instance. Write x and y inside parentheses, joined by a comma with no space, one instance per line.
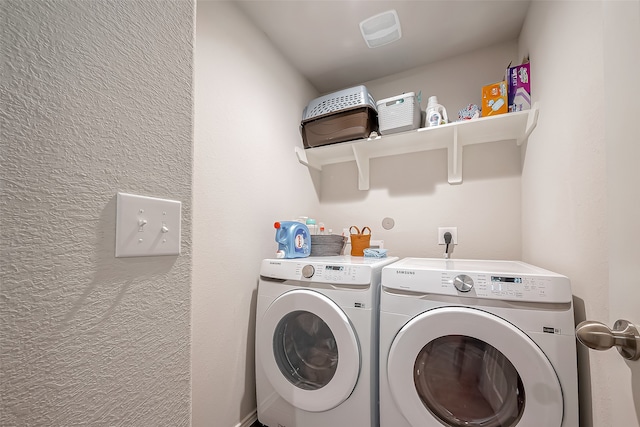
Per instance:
(598,336)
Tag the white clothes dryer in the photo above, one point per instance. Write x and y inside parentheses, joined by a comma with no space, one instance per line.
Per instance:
(476,343)
(316,341)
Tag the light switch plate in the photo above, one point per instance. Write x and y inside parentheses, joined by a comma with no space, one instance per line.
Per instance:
(147,226)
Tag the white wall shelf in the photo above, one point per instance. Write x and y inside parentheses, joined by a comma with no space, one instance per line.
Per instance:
(452,136)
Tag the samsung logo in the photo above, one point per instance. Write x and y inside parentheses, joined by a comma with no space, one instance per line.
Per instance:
(275,263)
(411,273)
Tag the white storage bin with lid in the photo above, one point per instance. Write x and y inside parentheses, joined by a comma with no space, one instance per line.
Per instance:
(399,113)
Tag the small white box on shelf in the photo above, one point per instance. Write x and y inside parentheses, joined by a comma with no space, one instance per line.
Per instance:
(399,113)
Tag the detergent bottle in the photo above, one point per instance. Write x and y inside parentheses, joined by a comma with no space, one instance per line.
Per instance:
(294,240)
(436,113)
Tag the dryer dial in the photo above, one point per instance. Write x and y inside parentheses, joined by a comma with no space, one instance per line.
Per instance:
(463,283)
(308,271)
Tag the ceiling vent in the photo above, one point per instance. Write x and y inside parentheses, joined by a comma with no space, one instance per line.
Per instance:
(381,29)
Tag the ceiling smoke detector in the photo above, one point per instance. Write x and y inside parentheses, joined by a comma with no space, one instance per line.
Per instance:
(381,29)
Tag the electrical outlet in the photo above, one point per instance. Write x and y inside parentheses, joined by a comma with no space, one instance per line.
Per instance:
(452,230)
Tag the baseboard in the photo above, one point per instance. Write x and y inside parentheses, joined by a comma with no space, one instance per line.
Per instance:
(249,419)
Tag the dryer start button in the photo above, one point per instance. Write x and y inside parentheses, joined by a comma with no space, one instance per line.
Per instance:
(463,283)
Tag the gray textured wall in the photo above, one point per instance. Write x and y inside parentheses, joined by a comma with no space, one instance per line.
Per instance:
(97,97)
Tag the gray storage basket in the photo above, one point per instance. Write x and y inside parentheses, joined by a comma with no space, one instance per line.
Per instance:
(327,244)
(345,99)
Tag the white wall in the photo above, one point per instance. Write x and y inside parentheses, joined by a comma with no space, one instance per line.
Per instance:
(621,65)
(413,189)
(96,98)
(248,106)
(564,173)
(567,187)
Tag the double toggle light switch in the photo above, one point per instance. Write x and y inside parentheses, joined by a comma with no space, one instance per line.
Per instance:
(147,226)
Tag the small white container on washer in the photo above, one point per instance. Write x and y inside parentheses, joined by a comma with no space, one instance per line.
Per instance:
(399,113)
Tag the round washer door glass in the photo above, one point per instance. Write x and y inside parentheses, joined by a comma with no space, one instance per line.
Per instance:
(308,350)
(461,366)
(464,381)
(305,350)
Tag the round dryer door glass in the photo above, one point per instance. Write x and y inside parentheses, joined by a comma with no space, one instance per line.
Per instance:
(464,381)
(461,366)
(305,350)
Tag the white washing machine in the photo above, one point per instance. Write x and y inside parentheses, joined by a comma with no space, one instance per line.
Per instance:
(476,343)
(316,341)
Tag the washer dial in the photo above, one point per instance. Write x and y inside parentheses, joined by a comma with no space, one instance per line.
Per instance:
(308,271)
(463,283)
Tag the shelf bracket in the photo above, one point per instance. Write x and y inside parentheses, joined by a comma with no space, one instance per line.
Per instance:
(362,162)
(532,121)
(302,158)
(454,155)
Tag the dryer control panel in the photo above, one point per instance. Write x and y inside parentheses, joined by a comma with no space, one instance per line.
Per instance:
(512,287)
(514,281)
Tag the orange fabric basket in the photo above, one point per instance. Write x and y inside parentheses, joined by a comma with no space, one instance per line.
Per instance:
(359,240)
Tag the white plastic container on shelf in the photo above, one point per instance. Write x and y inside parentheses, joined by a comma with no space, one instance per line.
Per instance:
(399,113)
(436,113)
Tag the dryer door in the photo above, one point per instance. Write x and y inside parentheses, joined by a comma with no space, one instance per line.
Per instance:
(461,366)
(309,350)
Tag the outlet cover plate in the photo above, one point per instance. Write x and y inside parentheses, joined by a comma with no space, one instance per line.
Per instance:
(147,226)
(452,230)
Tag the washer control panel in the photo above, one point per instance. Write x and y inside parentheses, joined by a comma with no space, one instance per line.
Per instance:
(348,272)
(332,273)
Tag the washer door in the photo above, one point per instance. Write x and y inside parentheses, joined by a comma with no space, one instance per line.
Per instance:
(461,366)
(309,350)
